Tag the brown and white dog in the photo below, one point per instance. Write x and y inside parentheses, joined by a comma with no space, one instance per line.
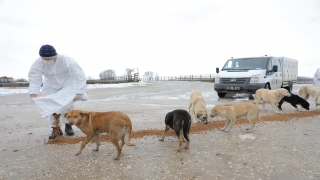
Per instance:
(197,108)
(233,112)
(271,97)
(117,124)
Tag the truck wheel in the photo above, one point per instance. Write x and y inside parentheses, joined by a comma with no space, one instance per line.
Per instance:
(267,86)
(221,95)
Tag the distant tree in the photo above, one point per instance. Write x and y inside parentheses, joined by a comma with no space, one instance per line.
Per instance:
(129,73)
(107,74)
(148,75)
(90,78)
(21,80)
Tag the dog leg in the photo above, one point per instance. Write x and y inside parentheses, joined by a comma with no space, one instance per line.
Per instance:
(122,142)
(193,116)
(263,105)
(249,130)
(164,133)
(294,105)
(274,106)
(226,125)
(115,142)
(188,142)
(231,122)
(84,143)
(97,142)
(180,141)
(280,104)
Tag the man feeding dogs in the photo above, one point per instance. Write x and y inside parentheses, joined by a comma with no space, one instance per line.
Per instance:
(64,82)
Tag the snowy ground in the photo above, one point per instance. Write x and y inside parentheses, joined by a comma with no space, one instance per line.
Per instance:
(279,150)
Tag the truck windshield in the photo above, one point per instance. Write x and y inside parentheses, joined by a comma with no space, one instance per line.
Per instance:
(246,63)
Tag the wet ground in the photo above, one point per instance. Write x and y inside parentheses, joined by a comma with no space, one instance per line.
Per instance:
(279,150)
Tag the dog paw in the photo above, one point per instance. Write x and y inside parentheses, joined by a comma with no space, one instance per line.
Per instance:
(77,154)
(178,150)
(95,149)
(161,139)
(116,158)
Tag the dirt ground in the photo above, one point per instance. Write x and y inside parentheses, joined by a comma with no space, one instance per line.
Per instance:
(279,150)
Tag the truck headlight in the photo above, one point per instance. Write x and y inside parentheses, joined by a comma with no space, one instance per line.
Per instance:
(255,78)
(217,79)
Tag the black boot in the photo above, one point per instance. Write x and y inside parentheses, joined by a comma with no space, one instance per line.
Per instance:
(54,130)
(68,129)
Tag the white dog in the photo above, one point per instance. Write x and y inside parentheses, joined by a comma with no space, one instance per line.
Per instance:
(306,91)
(271,97)
(197,108)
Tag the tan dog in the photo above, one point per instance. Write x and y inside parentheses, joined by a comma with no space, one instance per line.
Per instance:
(197,108)
(233,112)
(306,91)
(271,97)
(116,124)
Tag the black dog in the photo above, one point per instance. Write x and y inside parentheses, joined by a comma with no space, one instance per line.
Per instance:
(294,100)
(180,121)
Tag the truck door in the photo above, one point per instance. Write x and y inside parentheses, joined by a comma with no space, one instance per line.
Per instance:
(279,73)
(275,78)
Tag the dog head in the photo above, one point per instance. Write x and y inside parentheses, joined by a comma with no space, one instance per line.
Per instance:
(76,117)
(283,92)
(214,111)
(203,117)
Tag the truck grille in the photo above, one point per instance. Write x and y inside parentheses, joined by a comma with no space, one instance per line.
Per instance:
(233,80)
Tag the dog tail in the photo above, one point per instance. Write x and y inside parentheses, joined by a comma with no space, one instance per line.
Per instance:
(127,135)
(186,130)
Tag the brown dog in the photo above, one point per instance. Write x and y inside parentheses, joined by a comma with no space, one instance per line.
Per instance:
(117,124)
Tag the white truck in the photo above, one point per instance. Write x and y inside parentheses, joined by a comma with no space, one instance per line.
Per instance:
(246,75)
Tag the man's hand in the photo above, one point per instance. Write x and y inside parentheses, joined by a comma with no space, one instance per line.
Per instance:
(33,96)
(78,97)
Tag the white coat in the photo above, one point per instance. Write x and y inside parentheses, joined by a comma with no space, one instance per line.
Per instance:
(316,78)
(60,81)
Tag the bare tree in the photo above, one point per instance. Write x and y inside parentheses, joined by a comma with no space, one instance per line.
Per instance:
(129,73)
(148,75)
(90,78)
(107,74)
(21,80)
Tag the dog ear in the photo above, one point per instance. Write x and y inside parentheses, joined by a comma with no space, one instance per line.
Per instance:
(83,113)
(65,115)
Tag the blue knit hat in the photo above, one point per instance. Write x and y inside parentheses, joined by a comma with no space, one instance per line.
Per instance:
(47,51)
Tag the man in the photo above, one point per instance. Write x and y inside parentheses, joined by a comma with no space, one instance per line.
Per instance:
(64,82)
(316,78)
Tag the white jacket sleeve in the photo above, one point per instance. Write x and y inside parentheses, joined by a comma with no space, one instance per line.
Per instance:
(77,73)
(317,74)
(35,77)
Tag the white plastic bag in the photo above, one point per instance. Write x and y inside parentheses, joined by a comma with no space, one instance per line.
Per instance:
(59,102)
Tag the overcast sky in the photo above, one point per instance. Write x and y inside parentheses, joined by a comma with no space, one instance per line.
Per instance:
(167,37)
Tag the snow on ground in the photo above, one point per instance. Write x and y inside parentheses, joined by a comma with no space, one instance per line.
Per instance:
(18,90)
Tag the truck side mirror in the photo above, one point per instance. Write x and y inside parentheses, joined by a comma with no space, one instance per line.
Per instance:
(275,68)
(217,70)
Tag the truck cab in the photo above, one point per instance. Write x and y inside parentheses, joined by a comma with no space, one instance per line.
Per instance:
(246,75)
